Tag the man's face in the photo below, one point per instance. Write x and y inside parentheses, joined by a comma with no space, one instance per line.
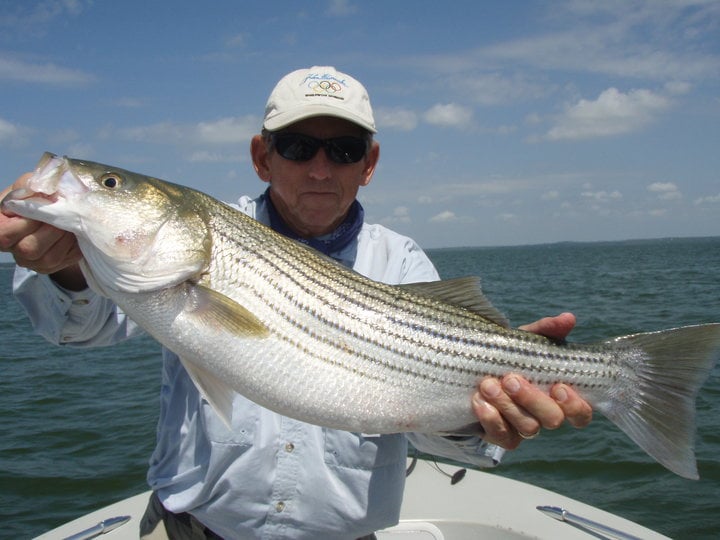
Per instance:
(314,196)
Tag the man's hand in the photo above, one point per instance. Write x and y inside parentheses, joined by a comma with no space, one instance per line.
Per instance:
(41,247)
(511,409)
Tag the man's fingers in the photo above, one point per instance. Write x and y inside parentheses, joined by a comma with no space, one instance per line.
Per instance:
(497,430)
(20,182)
(577,411)
(512,409)
(557,327)
(43,248)
(503,417)
(538,408)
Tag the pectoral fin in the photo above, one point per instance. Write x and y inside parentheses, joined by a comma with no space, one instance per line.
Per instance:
(216,311)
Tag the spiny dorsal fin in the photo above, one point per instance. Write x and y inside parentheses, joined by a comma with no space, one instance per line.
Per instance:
(464,292)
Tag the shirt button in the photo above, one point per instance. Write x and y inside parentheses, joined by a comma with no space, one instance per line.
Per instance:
(280,506)
(289,447)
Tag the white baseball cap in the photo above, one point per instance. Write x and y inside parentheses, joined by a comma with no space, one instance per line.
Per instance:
(318,91)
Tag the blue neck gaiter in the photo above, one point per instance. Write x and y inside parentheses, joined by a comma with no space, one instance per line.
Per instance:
(329,244)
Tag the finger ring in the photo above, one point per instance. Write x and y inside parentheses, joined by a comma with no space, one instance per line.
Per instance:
(528,437)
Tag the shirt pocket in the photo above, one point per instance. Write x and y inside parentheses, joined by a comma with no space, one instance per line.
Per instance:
(364,452)
(245,418)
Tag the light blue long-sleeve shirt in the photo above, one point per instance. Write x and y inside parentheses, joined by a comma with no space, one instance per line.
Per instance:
(270,476)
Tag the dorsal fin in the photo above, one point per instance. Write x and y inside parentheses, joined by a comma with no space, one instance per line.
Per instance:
(464,292)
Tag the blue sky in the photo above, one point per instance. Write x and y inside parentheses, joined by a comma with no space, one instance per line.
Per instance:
(500,123)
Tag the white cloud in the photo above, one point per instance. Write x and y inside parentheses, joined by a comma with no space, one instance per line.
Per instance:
(205,156)
(237,40)
(483,188)
(708,199)
(8,131)
(162,132)
(33,18)
(341,8)
(80,149)
(602,196)
(662,187)
(13,135)
(505,130)
(17,70)
(230,130)
(533,119)
(401,214)
(497,88)
(677,88)
(444,217)
(396,118)
(448,115)
(628,39)
(612,113)
(666,191)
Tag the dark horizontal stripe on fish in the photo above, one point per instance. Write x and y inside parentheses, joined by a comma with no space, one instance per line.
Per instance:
(318,280)
(481,364)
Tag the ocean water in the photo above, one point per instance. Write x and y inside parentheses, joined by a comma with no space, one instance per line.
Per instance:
(77,426)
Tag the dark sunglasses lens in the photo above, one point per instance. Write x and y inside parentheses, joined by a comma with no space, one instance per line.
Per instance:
(296,147)
(346,149)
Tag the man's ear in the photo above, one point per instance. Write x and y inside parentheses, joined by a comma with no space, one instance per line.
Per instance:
(371,162)
(260,154)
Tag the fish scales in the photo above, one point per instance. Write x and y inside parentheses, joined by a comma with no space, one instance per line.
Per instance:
(439,349)
(250,311)
(315,286)
(434,357)
(342,294)
(304,284)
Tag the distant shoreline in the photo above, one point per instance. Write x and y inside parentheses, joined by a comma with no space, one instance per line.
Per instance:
(6,259)
(630,241)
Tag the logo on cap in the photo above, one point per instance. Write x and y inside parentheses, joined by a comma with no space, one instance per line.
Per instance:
(324,85)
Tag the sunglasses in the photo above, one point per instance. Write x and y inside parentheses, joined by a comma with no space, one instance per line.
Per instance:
(299,147)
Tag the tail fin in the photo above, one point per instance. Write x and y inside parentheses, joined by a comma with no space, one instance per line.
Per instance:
(658,411)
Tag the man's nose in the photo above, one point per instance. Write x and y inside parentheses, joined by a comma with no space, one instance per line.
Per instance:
(320,166)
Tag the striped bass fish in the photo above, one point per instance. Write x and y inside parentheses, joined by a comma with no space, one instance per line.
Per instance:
(250,311)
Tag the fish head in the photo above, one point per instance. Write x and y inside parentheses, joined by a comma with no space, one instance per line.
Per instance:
(136,233)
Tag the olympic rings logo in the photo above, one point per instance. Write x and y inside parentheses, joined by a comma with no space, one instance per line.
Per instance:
(326,87)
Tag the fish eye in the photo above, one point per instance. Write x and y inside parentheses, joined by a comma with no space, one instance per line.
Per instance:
(111,181)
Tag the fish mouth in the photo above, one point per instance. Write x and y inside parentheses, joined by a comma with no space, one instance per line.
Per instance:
(48,173)
(52,181)
(22,194)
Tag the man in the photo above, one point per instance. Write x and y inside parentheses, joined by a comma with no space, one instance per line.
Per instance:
(271,476)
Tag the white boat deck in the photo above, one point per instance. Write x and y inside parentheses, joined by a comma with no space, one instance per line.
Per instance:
(481,505)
